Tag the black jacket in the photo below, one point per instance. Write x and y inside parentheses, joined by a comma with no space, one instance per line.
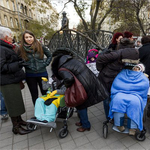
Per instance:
(144,54)
(95,90)
(110,64)
(10,71)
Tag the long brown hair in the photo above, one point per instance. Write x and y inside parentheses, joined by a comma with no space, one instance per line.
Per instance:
(36,46)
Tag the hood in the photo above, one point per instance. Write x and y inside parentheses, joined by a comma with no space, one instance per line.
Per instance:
(58,62)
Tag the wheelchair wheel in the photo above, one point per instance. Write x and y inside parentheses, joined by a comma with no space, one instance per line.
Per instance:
(31,126)
(63,133)
(105,131)
(140,137)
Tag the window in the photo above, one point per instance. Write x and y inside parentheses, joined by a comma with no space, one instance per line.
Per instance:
(13,4)
(17,24)
(0,21)
(25,9)
(1,3)
(6,20)
(22,8)
(30,14)
(7,2)
(11,22)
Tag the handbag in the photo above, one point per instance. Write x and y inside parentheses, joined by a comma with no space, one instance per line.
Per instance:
(75,95)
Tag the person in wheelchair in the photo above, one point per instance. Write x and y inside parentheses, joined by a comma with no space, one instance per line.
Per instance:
(129,96)
(47,105)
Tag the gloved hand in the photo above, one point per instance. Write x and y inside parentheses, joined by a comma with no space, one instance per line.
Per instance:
(53,93)
(44,79)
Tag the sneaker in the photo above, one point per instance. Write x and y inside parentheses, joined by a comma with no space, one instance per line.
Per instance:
(4,117)
(132,131)
(121,128)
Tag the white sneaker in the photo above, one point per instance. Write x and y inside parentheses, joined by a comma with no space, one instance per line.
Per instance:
(4,117)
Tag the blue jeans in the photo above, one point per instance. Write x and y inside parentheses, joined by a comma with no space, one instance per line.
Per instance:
(84,118)
(3,107)
(119,121)
(106,107)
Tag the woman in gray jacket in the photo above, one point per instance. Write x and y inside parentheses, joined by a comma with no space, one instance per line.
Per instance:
(33,54)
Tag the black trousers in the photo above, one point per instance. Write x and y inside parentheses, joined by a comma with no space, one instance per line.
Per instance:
(33,83)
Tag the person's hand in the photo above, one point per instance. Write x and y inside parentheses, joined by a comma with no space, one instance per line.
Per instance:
(53,93)
(44,79)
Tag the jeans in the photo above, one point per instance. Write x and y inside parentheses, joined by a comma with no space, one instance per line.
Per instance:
(119,121)
(106,107)
(3,107)
(84,118)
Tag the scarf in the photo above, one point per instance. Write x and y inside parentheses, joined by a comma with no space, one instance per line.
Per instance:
(13,46)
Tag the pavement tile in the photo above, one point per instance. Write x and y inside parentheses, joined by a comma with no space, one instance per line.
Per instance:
(145,144)
(34,133)
(99,143)
(76,134)
(51,143)
(39,146)
(128,141)
(17,138)
(6,142)
(66,139)
(117,146)
(6,129)
(35,140)
(92,136)
(81,140)
(111,139)
(88,146)
(136,146)
(5,135)
(48,136)
(20,145)
(68,145)
(8,147)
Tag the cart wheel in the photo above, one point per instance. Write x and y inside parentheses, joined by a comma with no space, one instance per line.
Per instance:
(140,138)
(63,133)
(31,126)
(105,131)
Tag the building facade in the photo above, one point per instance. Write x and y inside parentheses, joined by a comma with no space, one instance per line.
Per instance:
(16,14)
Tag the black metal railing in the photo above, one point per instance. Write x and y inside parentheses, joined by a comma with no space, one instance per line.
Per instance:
(79,43)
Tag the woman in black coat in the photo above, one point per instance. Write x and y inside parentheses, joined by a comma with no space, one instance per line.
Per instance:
(96,92)
(11,74)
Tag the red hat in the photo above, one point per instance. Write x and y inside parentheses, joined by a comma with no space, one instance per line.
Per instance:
(127,34)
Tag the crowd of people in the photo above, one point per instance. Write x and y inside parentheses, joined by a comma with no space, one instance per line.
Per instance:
(102,77)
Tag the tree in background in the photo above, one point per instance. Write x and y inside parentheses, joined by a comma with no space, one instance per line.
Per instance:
(46,29)
(98,12)
(130,15)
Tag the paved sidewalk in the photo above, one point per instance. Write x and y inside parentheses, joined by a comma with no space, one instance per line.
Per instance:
(42,139)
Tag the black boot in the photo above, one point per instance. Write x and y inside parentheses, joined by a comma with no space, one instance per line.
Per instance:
(21,122)
(17,129)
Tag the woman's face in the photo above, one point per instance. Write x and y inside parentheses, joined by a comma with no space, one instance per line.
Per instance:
(118,39)
(29,39)
(9,38)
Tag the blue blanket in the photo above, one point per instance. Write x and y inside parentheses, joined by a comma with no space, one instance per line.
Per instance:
(129,95)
